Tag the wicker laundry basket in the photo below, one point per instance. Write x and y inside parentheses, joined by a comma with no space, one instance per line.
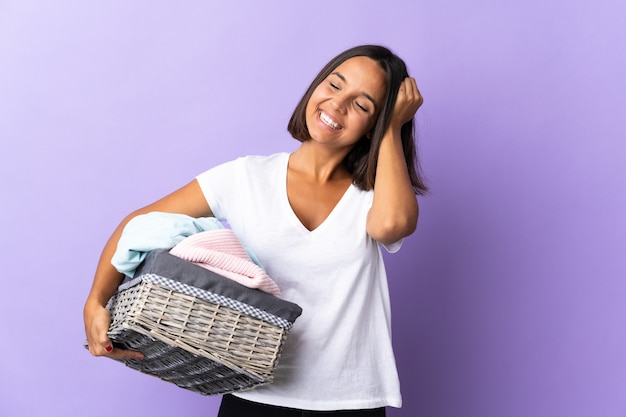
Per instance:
(197,329)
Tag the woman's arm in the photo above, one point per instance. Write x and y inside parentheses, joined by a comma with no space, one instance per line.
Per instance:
(394,211)
(187,200)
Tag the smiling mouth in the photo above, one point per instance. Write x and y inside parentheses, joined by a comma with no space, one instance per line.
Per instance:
(328,121)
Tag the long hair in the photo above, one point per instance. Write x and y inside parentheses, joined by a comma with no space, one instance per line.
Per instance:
(362,159)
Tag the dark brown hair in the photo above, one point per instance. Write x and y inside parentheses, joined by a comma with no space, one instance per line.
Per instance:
(362,160)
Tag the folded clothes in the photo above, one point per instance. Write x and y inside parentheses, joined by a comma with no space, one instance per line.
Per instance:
(155,230)
(221,251)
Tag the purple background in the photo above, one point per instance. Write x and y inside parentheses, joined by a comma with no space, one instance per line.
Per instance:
(509,300)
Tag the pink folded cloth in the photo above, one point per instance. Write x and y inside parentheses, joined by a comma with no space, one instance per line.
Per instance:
(221,251)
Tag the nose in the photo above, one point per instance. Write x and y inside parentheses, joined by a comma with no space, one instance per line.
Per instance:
(340,103)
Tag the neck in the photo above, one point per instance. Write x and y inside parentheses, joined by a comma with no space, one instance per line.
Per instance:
(319,163)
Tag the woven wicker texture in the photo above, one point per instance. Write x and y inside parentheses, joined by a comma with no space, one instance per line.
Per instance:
(193,343)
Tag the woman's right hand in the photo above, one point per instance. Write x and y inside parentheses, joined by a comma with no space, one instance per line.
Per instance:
(97,322)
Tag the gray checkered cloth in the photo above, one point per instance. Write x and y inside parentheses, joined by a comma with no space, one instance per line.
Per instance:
(209,296)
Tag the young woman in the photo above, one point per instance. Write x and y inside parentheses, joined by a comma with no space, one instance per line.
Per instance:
(316,219)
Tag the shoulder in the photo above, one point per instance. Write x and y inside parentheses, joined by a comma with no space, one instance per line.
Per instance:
(264,160)
(262,163)
(365,197)
(246,163)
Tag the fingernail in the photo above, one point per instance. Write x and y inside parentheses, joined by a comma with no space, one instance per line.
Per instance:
(108,348)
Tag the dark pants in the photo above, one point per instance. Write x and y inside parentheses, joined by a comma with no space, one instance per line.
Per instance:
(236,407)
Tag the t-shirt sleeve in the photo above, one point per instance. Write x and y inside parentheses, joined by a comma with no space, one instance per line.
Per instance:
(217,185)
(393,247)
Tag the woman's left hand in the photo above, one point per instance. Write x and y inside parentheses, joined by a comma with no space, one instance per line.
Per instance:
(408,101)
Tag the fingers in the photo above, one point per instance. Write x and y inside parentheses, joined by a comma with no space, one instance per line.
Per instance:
(408,102)
(99,344)
(108,350)
(116,353)
(97,321)
(410,92)
(103,346)
(123,354)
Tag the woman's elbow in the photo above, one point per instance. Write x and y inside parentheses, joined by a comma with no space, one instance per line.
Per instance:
(391,229)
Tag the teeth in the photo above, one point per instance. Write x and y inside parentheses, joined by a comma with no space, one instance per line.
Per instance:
(328,121)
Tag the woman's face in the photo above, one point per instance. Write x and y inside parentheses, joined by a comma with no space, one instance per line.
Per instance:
(343,108)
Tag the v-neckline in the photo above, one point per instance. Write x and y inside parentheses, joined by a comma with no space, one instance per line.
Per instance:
(294,216)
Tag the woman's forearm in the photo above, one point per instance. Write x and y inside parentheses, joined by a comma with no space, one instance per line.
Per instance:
(107,278)
(188,200)
(394,210)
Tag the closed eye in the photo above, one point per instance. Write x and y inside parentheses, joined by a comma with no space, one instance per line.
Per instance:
(365,109)
(333,85)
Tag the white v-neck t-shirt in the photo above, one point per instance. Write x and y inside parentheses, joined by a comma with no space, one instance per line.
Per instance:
(338,355)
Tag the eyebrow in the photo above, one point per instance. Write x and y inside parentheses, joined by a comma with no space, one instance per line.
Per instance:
(367,96)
